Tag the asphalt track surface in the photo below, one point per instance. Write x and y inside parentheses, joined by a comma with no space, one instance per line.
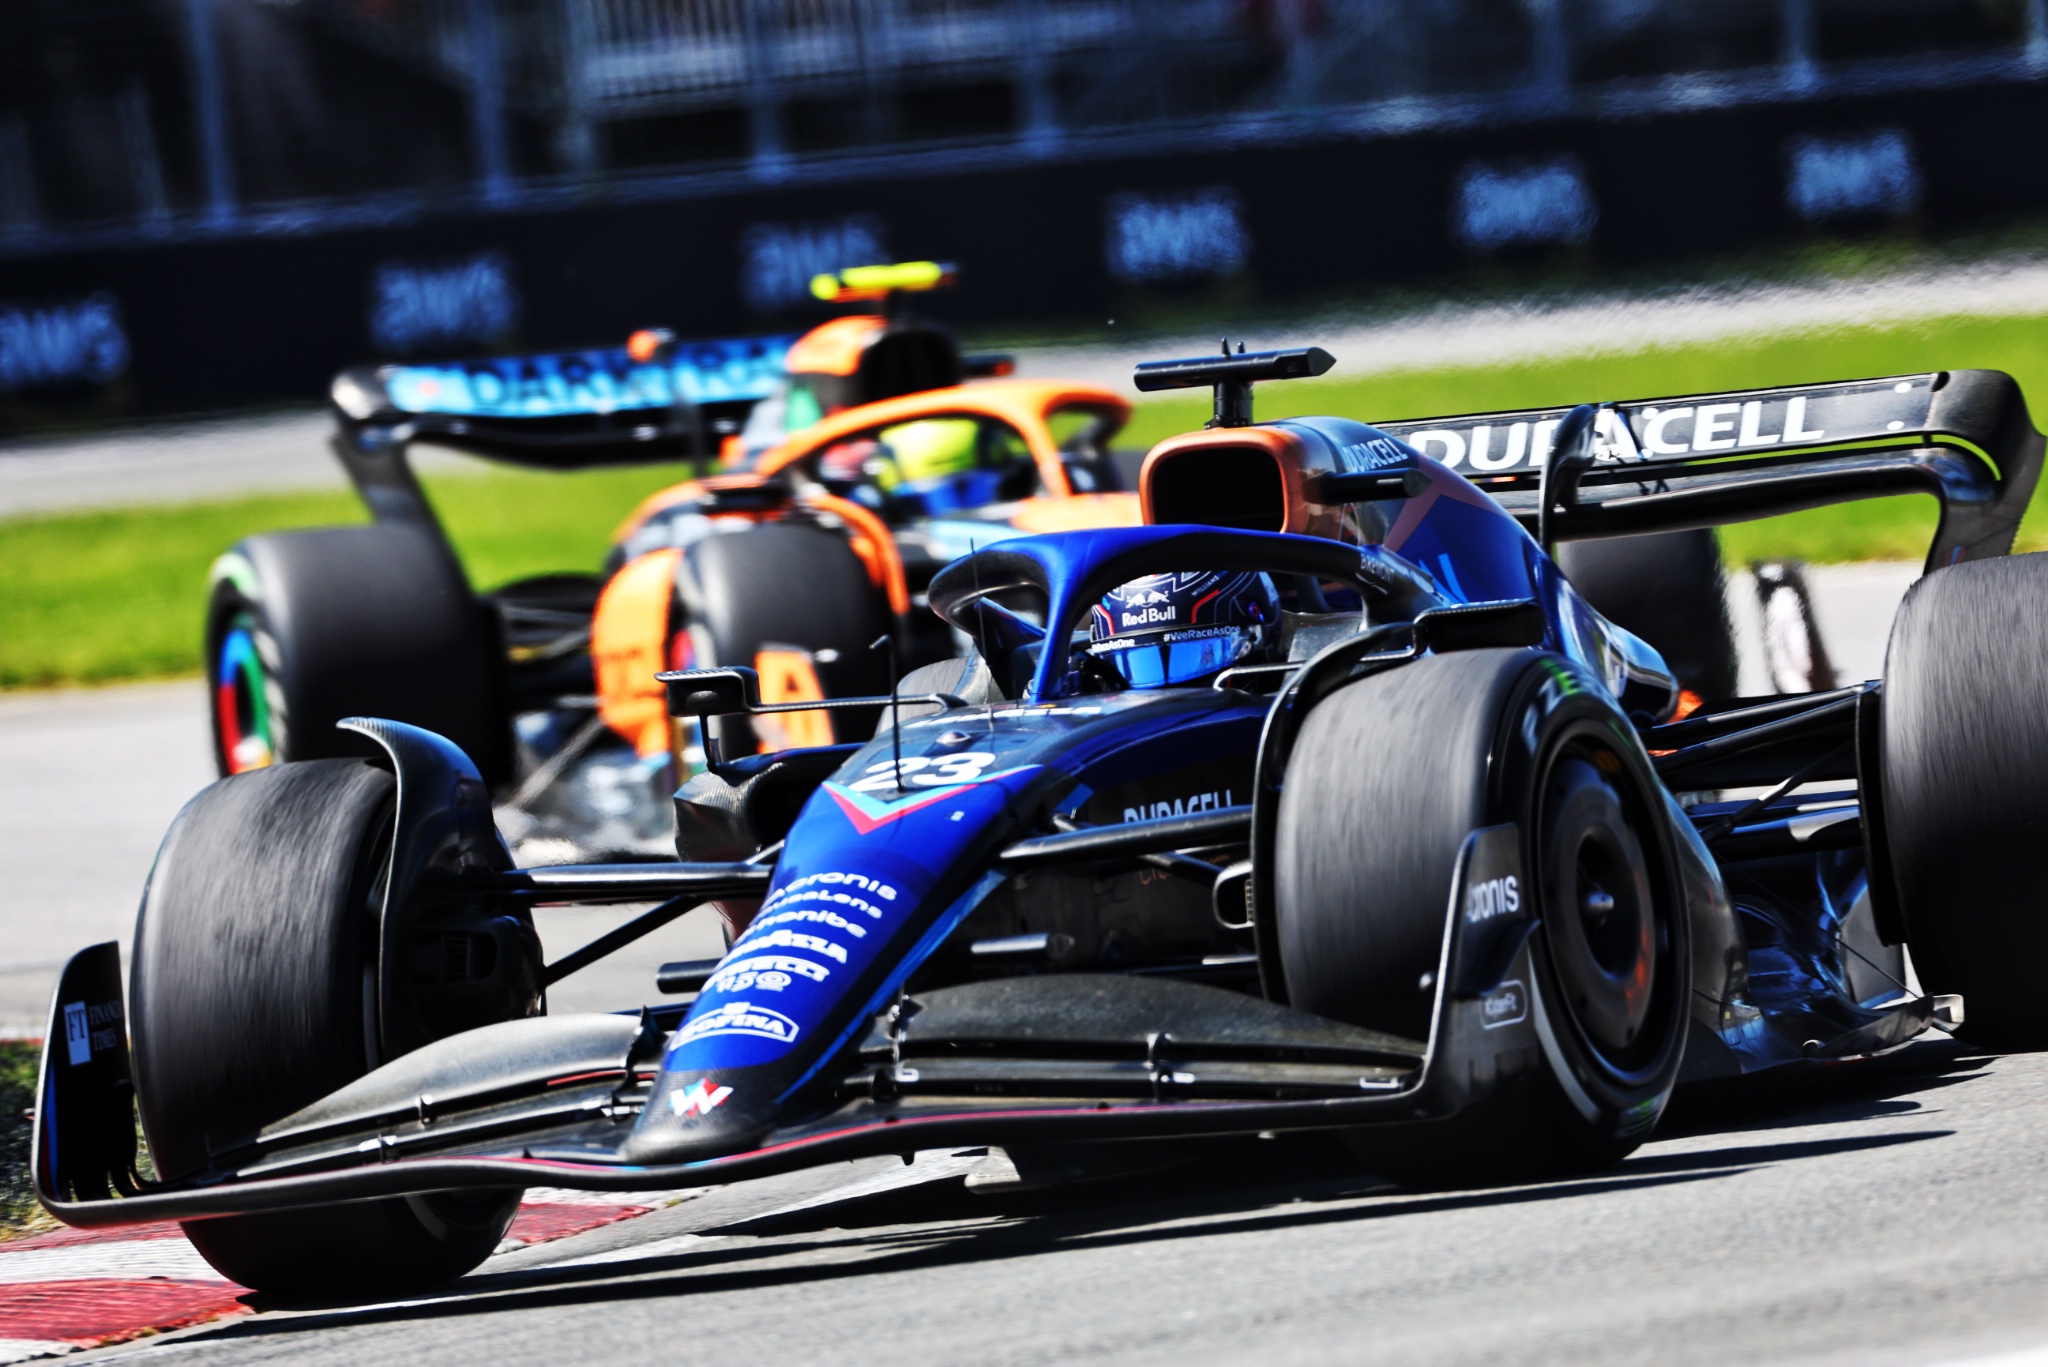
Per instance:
(1893,1210)
(1890,1211)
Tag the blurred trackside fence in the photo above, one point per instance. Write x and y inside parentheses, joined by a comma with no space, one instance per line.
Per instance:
(217,201)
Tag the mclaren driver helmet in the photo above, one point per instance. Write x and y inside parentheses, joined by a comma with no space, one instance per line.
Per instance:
(1181,628)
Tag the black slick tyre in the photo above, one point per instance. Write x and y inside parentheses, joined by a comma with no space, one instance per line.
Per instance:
(1964,775)
(248,1000)
(1387,779)
(305,628)
(790,585)
(1668,588)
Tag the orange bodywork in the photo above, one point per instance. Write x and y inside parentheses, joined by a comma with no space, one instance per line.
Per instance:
(1026,405)
(834,348)
(1303,517)
(628,639)
(1077,512)
(789,676)
(631,628)
(687,491)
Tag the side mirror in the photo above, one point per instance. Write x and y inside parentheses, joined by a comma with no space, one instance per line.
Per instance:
(703,693)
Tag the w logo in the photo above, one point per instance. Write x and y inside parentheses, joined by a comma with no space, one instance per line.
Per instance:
(699,1099)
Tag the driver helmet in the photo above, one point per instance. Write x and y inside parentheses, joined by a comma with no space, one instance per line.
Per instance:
(931,448)
(1169,629)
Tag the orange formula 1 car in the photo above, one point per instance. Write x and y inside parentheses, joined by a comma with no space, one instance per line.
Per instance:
(856,459)
(847,520)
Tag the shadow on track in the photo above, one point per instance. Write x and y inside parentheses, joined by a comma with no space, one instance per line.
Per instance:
(943,1225)
(1824,1093)
(1211,1189)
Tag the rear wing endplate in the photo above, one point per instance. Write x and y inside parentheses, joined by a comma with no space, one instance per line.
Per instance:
(1702,460)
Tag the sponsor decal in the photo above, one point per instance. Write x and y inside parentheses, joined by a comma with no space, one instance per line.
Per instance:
(81,342)
(737,1018)
(1494,897)
(769,972)
(786,676)
(1709,425)
(778,261)
(834,879)
(699,1098)
(1175,236)
(1505,204)
(1507,1004)
(1640,1116)
(606,381)
(1180,806)
(1833,177)
(415,306)
(1145,616)
(77,1034)
(1724,427)
(92,1029)
(796,939)
(956,773)
(1376,453)
(818,917)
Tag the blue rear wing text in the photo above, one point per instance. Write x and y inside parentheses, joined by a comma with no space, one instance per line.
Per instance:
(575,383)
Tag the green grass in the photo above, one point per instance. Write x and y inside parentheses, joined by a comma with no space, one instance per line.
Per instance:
(19,1213)
(1879,529)
(100,596)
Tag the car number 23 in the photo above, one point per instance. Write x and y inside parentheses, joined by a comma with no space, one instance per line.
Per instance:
(925,771)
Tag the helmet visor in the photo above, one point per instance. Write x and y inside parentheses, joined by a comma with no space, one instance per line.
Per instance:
(1175,657)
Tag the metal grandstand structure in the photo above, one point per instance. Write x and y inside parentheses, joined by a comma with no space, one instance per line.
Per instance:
(127,119)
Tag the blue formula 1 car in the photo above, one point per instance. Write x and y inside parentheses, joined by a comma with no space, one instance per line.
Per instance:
(1321,802)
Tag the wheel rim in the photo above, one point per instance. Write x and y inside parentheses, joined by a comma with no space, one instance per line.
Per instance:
(241,701)
(1609,946)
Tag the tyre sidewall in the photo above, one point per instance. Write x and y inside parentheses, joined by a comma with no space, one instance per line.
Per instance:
(1554,705)
(364,621)
(226,608)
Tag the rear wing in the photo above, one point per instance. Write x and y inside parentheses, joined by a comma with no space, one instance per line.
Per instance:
(1703,460)
(566,410)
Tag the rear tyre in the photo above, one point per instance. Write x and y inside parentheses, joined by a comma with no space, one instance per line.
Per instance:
(1387,779)
(247,999)
(1666,587)
(1964,764)
(305,628)
(788,584)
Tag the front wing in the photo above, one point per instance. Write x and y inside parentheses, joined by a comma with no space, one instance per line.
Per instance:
(1167,1060)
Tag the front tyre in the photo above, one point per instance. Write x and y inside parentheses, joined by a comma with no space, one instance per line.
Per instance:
(248,1000)
(1388,778)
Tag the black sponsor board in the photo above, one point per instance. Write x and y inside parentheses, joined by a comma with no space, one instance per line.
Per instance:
(234,320)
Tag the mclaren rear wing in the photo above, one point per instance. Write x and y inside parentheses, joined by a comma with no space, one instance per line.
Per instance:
(564,410)
(567,410)
(1702,460)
